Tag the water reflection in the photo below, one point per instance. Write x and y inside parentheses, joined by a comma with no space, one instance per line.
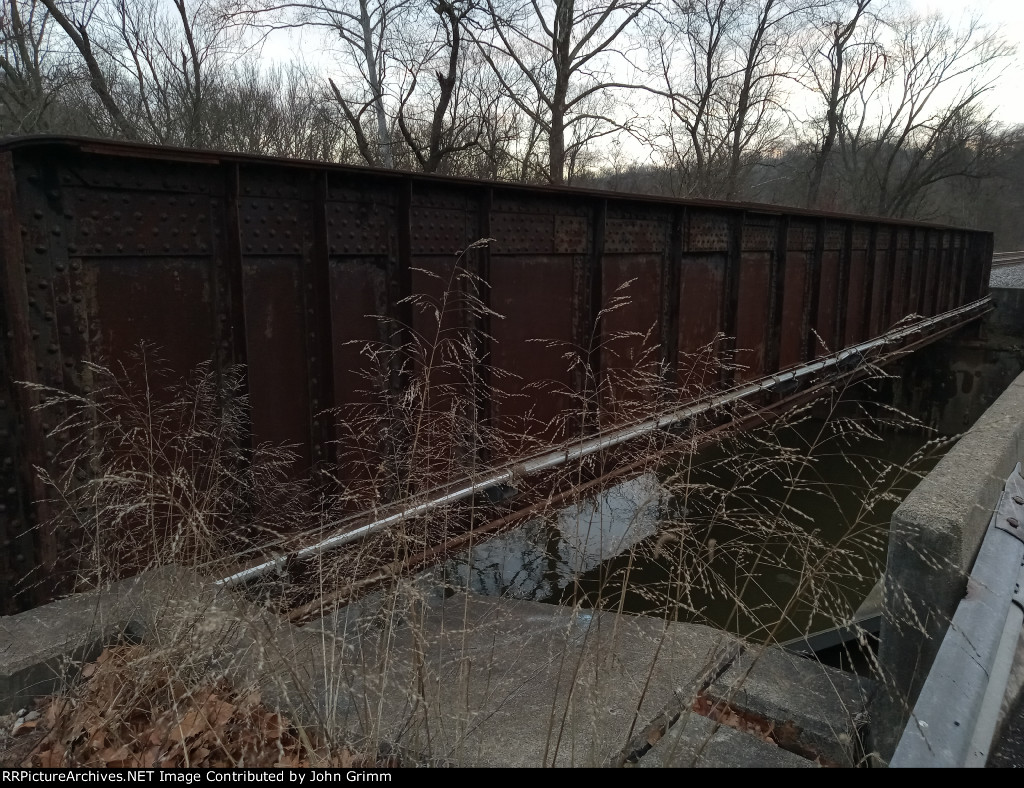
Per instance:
(541,558)
(769,535)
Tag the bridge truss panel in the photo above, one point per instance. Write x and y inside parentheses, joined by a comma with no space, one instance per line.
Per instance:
(332,289)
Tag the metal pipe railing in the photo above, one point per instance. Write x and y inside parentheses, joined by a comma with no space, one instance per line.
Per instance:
(609,440)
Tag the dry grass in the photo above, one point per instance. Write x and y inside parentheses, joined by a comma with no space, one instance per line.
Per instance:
(132,708)
(153,472)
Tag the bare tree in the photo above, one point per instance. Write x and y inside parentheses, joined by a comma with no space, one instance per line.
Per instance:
(281,111)
(168,59)
(75,18)
(400,67)
(554,59)
(839,59)
(721,65)
(921,120)
(692,61)
(150,64)
(25,90)
(762,34)
(448,131)
(359,34)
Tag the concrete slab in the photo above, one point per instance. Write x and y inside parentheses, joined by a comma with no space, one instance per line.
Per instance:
(698,742)
(462,680)
(815,710)
(494,682)
(43,648)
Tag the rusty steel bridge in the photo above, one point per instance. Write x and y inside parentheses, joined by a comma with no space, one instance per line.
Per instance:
(293,268)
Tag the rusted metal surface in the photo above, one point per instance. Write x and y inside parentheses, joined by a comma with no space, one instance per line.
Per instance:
(318,279)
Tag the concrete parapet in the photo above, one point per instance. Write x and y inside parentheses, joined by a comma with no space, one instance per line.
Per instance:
(934,537)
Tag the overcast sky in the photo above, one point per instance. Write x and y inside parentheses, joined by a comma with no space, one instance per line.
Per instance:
(1007,16)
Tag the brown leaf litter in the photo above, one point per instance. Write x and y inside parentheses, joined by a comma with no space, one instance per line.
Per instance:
(131,709)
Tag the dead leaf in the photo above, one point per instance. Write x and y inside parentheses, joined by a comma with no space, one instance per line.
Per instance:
(190,725)
(149,757)
(51,759)
(272,726)
(24,727)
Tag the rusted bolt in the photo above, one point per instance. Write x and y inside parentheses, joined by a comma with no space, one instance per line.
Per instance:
(1018,499)
(1013,521)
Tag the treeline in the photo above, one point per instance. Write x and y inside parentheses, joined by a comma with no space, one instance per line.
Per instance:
(851,105)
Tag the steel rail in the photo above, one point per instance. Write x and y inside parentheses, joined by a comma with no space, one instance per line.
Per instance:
(609,440)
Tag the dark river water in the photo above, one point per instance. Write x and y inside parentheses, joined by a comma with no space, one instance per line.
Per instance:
(771,533)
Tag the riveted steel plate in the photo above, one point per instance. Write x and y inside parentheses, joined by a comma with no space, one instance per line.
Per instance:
(633,281)
(535,297)
(361,334)
(630,327)
(791,340)
(217,256)
(855,330)
(441,198)
(540,203)
(707,232)
(702,279)
(273,226)
(759,233)
(119,224)
(361,228)
(834,235)
(112,173)
(634,235)
(752,309)
(129,300)
(441,230)
(572,235)
(701,302)
(276,352)
(828,303)
(274,183)
(520,233)
(802,236)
